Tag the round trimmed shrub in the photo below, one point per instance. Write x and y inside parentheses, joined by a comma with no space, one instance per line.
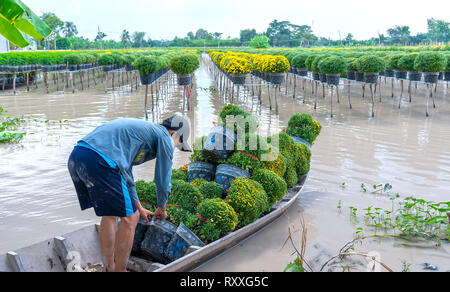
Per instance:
(243,161)
(352,65)
(273,184)
(429,61)
(303,162)
(211,190)
(147,65)
(220,214)
(406,63)
(392,61)
(290,176)
(333,65)
(248,199)
(303,126)
(309,61)
(277,164)
(299,60)
(73,59)
(371,64)
(186,196)
(184,63)
(315,63)
(106,59)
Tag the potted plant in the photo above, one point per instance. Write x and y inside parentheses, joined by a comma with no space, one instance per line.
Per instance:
(238,68)
(72,60)
(406,63)
(447,69)
(276,67)
(107,62)
(303,129)
(184,65)
(371,66)
(316,69)
(309,61)
(352,68)
(299,64)
(430,63)
(332,67)
(201,166)
(393,64)
(147,66)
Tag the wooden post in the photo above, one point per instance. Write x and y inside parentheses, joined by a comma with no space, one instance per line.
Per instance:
(349,92)
(295,87)
(72,77)
(145,102)
(14,83)
(331,100)
(428,99)
(373,101)
(28,81)
(4,82)
(106,82)
(46,81)
(316,94)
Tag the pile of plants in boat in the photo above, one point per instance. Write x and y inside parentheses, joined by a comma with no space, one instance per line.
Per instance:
(236,176)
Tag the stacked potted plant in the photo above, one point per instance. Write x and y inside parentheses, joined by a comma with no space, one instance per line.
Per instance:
(184,65)
(332,67)
(406,63)
(371,66)
(430,63)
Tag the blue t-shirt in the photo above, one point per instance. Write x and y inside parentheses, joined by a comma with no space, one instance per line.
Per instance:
(130,142)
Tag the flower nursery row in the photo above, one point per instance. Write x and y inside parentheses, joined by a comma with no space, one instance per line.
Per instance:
(329,66)
(224,190)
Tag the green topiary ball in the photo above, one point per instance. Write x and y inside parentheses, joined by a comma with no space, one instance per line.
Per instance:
(429,61)
(406,63)
(147,65)
(291,177)
(303,126)
(302,165)
(299,60)
(392,61)
(186,196)
(371,64)
(333,65)
(220,214)
(184,63)
(273,184)
(73,59)
(211,190)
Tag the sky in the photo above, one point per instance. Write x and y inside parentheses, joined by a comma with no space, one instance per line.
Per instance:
(165,19)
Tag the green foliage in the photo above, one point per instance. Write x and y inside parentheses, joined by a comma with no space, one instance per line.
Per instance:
(309,61)
(299,60)
(291,176)
(273,184)
(315,63)
(303,162)
(303,126)
(211,190)
(106,60)
(198,182)
(333,65)
(186,196)
(243,161)
(392,61)
(371,64)
(73,59)
(406,63)
(220,214)
(259,42)
(179,174)
(184,63)
(430,62)
(146,192)
(295,267)
(352,64)
(148,65)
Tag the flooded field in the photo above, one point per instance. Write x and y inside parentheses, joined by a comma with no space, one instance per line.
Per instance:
(399,146)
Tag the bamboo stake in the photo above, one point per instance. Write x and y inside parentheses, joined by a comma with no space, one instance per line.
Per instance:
(349,89)
(373,101)
(145,102)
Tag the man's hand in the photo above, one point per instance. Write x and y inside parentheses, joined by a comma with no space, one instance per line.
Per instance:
(145,214)
(160,214)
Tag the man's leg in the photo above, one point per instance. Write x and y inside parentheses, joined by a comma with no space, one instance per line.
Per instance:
(107,241)
(124,241)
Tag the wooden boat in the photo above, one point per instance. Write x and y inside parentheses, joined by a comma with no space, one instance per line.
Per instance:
(80,250)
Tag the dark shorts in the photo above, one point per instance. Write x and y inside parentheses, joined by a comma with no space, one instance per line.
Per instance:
(99,185)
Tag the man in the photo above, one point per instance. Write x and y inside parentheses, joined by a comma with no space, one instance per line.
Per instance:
(101,169)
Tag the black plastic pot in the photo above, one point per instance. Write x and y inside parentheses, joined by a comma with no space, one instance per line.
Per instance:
(359,76)
(399,74)
(147,79)
(316,76)
(226,173)
(238,79)
(447,75)
(201,170)
(431,77)
(180,243)
(73,67)
(351,75)
(184,79)
(414,76)
(220,143)
(389,73)
(276,78)
(333,79)
(323,77)
(129,68)
(371,78)
(441,76)
(159,234)
(301,71)
(301,141)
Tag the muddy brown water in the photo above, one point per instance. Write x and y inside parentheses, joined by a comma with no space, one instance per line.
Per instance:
(400,147)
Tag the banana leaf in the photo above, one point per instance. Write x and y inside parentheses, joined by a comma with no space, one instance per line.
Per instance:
(16,17)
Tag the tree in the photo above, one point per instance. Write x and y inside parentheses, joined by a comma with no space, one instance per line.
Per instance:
(202,34)
(191,35)
(399,34)
(217,35)
(247,34)
(53,22)
(63,44)
(349,39)
(438,30)
(100,36)
(125,38)
(69,29)
(138,39)
(279,32)
(260,42)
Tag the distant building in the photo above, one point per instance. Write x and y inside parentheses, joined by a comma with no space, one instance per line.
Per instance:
(4,45)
